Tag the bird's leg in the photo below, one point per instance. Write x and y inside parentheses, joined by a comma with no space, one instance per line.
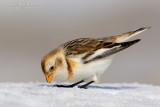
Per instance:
(85,85)
(70,86)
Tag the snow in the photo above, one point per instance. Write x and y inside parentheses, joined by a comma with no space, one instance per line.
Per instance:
(97,95)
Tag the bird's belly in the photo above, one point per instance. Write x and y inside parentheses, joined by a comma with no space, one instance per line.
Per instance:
(84,71)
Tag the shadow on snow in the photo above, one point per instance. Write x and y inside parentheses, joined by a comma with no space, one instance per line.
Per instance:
(96,86)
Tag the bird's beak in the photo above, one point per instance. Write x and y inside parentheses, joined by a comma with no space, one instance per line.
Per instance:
(49,78)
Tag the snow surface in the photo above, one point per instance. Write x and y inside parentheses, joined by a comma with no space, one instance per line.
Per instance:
(97,95)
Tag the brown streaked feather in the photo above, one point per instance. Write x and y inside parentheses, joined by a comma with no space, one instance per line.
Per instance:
(85,47)
(90,46)
(81,46)
(71,64)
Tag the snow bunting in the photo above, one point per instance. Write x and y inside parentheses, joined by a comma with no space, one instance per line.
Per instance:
(85,59)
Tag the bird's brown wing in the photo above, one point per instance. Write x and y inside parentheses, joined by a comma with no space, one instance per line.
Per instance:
(86,47)
(81,46)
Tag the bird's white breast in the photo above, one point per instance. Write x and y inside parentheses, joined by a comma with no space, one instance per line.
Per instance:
(84,71)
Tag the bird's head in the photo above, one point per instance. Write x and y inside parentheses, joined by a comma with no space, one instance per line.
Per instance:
(52,63)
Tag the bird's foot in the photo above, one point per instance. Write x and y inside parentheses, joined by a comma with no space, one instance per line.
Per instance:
(85,85)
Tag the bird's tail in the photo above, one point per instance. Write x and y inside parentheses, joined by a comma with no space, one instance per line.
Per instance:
(125,36)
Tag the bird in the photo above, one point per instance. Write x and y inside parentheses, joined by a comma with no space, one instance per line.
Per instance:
(85,59)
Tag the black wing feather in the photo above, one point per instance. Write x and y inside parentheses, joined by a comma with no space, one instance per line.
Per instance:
(114,48)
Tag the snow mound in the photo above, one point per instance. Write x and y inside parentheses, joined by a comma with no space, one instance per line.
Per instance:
(97,95)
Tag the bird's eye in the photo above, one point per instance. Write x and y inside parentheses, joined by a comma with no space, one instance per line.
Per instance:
(52,67)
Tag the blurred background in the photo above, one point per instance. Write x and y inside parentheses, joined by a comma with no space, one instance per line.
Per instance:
(31,28)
